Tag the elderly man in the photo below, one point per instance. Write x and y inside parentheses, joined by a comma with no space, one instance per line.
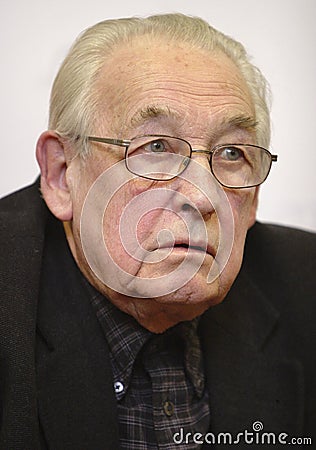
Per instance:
(130,316)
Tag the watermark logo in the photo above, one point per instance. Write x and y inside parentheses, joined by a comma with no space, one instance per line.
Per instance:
(255,436)
(257,426)
(157,197)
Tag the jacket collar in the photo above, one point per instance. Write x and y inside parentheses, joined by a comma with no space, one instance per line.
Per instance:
(249,379)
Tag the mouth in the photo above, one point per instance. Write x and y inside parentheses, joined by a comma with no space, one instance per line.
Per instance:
(185,247)
(193,247)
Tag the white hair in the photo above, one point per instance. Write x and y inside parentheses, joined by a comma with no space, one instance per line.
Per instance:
(74,97)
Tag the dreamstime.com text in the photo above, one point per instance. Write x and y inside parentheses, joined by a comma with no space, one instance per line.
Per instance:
(254,437)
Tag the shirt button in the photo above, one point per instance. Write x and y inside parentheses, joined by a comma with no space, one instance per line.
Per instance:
(118,387)
(168,408)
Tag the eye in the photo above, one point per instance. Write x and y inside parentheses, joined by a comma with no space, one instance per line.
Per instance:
(149,146)
(231,153)
(158,146)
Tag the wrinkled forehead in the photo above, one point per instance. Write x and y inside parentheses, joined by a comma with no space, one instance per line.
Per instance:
(149,79)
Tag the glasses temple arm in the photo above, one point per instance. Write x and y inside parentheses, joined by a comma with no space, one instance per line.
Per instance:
(120,142)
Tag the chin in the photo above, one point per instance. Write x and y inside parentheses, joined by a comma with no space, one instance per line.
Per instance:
(158,317)
(160,313)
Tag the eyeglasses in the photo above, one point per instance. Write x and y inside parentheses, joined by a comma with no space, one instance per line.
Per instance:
(162,158)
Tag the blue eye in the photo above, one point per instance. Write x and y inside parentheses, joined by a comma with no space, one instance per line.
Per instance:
(231,153)
(157,146)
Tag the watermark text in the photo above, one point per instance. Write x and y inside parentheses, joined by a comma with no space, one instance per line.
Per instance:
(254,437)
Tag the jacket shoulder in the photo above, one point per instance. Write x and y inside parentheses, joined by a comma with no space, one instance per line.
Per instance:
(281,234)
(23,217)
(22,212)
(282,262)
(267,242)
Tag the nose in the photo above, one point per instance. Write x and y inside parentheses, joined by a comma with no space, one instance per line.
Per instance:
(197,186)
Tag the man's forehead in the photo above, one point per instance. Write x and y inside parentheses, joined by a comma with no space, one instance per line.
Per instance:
(153,55)
(197,82)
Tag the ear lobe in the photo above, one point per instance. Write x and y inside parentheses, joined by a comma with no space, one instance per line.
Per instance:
(50,154)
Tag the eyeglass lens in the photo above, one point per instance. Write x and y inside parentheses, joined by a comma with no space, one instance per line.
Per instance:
(163,158)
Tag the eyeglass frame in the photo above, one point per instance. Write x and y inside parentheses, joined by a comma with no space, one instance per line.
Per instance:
(127,142)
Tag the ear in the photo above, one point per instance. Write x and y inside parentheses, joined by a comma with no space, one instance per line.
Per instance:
(253,208)
(50,154)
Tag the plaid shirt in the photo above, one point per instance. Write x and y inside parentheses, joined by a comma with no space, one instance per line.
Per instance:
(158,380)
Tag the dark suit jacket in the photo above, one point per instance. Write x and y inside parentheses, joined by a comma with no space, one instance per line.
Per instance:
(55,379)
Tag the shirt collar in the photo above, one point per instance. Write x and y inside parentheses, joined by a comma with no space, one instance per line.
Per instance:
(126,338)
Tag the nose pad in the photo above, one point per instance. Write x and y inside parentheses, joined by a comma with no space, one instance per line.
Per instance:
(185,163)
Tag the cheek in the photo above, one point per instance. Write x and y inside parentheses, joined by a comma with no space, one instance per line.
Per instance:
(115,239)
(128,228)
(154,227)
(243,206)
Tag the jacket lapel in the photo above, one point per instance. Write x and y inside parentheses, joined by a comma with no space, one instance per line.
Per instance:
(248,380)
(77,407)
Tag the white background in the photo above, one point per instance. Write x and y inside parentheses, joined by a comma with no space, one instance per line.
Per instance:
(280,35)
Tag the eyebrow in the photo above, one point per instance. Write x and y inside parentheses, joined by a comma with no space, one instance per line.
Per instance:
(152,112)
(156,111)
(240,121)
